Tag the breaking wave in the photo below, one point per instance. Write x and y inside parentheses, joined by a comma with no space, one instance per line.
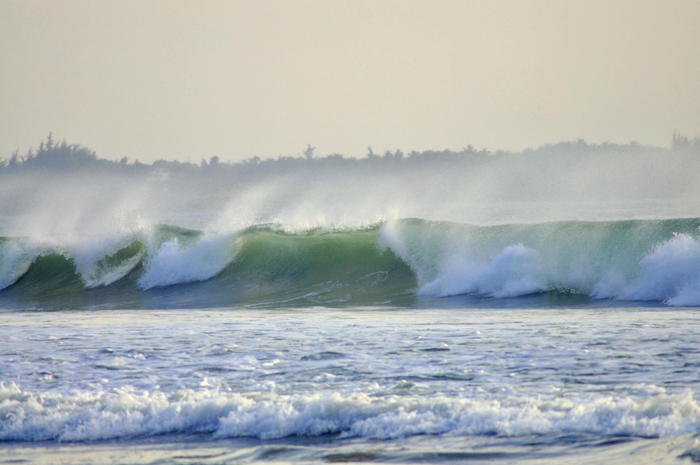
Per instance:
(396,262)
(128,412)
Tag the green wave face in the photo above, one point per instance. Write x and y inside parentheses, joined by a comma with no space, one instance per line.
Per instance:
(331,268)
(267,268)
(401,263)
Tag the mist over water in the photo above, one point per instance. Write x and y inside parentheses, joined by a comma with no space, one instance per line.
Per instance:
(65,190)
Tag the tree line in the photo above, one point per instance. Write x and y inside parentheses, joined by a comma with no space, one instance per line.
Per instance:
(61,156)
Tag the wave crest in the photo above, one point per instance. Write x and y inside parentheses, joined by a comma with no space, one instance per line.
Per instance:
(400,262)
(511,273)
(176,263)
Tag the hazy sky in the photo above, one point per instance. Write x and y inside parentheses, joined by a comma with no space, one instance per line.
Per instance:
(191,79)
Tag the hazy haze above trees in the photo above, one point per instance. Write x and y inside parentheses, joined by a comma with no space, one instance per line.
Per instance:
(61,185)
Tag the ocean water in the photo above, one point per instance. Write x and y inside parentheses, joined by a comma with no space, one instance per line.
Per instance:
(407,341)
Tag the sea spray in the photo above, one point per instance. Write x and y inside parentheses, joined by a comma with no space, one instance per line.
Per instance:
(175,263)
(15,259)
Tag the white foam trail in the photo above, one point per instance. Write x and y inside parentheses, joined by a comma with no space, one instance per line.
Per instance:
(449,261)
(175,263)
(127,412)
(419,255)
(112,275)
(89,256)
(15,260)
(511,273)
(449,264)
(670,273)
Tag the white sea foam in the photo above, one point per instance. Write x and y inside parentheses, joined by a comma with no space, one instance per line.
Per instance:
(174,263)
(89,256)
(511,273)
(670,273)
(15,260)
(125,412)
(452,260)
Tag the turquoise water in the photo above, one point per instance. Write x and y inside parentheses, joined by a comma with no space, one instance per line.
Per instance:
(399,263)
